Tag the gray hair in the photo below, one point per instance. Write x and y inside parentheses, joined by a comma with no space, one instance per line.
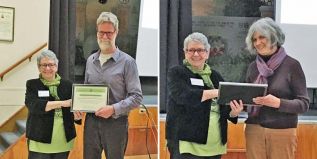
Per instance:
(49,54)
(108,17)
(269,29)
(197,37)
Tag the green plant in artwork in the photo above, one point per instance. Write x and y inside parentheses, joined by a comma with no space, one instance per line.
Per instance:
(232,66)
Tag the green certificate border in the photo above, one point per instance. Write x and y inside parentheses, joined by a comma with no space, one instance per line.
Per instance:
(88,97)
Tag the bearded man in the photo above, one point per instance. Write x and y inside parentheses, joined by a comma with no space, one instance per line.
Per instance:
(107,128)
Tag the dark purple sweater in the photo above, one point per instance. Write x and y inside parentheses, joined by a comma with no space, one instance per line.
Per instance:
(287,83)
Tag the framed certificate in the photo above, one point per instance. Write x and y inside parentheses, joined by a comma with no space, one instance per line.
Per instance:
(89,98)
(6,24)
(229,91)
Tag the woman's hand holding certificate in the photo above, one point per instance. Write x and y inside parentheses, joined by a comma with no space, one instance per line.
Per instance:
(269,100)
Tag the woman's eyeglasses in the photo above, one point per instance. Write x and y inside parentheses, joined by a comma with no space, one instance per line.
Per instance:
(50,65)
(199,51)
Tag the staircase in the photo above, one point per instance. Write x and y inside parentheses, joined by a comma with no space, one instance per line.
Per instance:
(8,138)
(1,149)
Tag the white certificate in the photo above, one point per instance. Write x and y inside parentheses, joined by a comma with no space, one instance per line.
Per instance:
(89,98)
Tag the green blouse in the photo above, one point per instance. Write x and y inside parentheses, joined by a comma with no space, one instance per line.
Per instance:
(59,143)
(214,145)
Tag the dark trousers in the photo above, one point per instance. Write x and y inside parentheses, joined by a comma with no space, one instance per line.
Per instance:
(173,148)
(110,135)
(37,155)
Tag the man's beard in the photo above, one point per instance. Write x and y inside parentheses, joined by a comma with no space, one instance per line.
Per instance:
(104,45)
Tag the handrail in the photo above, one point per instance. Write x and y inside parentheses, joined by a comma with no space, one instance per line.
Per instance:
(29,56)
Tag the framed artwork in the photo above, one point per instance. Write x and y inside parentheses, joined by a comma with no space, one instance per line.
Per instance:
(226,24)
(6,24)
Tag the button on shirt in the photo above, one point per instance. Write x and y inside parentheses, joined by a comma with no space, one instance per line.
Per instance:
(120,74)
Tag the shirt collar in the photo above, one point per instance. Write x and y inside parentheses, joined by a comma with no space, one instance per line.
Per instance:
(115,56)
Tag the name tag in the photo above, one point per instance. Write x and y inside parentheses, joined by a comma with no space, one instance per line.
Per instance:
(197,82)
(43,93)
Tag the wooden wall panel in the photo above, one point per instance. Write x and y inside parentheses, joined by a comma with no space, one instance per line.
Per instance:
(137,131)
(164,154)
(307,141)
(18,151)
(137,142)
(138,117)
(77,151)
(234,155)
(236,139)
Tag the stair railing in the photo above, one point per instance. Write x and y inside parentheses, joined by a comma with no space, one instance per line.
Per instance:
(29,56)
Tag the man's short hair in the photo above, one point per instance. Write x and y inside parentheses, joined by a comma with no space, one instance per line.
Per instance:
(108,17)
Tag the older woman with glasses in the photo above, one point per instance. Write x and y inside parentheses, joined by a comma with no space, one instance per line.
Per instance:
(196,126)
(50,124)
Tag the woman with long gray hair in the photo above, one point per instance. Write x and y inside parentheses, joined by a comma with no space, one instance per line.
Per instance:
(271,126)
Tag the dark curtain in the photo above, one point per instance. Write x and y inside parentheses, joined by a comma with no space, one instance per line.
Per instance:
(62,35)
(175,25)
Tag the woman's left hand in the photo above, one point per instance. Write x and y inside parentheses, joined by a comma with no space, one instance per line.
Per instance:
(236,108)
(268,100)
(78,115)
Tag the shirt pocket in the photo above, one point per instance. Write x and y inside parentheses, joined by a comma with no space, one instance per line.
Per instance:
(117,78)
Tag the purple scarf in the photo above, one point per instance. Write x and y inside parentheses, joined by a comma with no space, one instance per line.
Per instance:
(266,70)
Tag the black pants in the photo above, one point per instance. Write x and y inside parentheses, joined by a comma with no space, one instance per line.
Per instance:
(110,135)
(173,148)
(37,155)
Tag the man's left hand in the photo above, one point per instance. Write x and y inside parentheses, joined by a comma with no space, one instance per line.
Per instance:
(105,111)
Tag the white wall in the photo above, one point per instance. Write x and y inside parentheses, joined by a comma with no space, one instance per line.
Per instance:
(298,21)
(148,39)
(31,30)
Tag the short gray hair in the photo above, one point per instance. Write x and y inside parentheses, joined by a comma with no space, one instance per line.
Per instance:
(108,17)
(269,29)
(49,54)
(197,37)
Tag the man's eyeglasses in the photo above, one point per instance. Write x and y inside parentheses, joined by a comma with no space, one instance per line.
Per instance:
(102,33)
(50,65)
(199,51)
